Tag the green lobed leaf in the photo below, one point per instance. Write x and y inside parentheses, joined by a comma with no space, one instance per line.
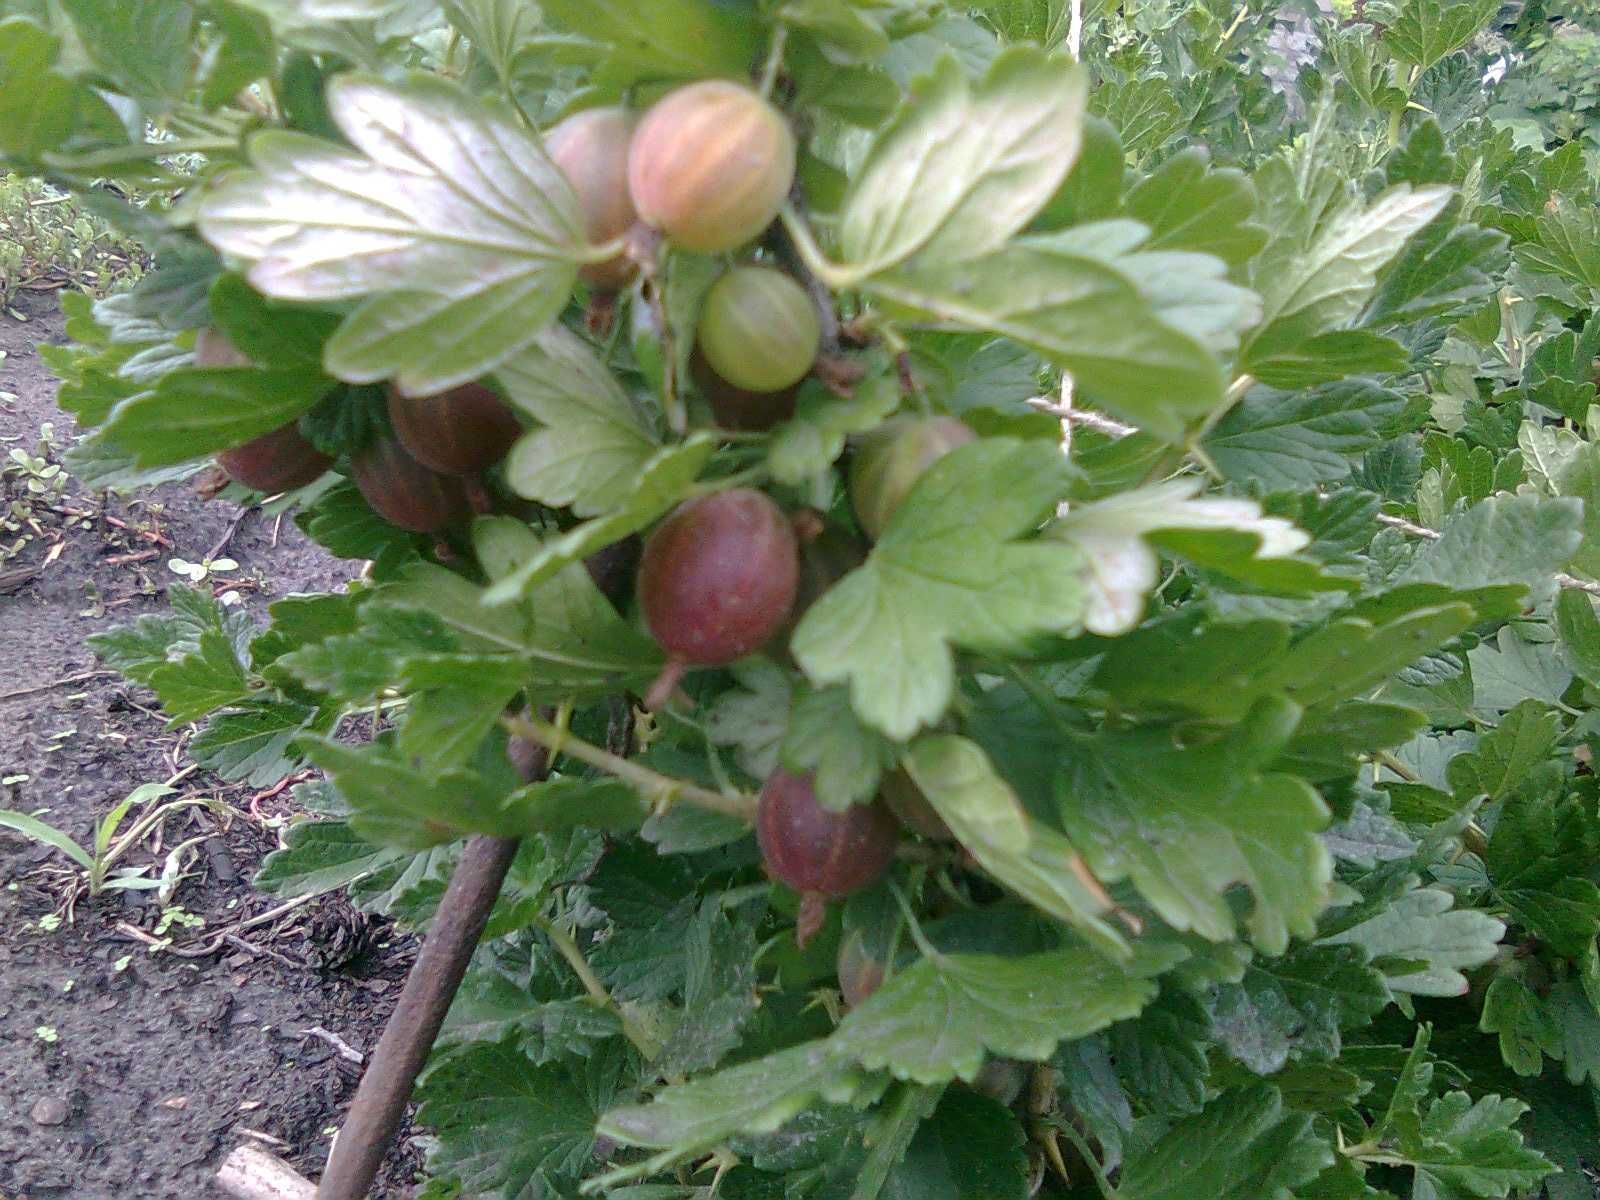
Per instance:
(488,221)
(320,857)
(1118,535)
(1574,1013)
(1538,860)
(1448,266)
(1523,539)
(198,683)
(719,993)
(1087,1081)
(936,1019)
(946,573)
(508,1127)
(660,39)
(1144,112)
(1429,942)
(1297,1005)
(1243,1146)
(1580,633)
(961,168)
(493,1005)
(1081,312)
(1421,32)
(196,411)
(814,438)
(1187,824)
(592,441)
(1312,289)
(252,745)
(1188,204)
(753,717)
(39,106)
(1326,357)
(969,1146)
(825,736)
(1527,1032)
(395,804)
(1505,755)
(1469,1149)
(1160,1057)
(754,1097)
(1512,670)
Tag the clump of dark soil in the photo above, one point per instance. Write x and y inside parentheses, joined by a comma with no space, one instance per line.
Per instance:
(129,1070)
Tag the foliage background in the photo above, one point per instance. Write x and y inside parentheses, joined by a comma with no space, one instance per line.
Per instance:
(1341,778)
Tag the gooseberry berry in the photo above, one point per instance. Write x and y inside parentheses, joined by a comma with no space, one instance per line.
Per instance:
(717,578)
(758,329)
(275,462)
(404,492)
(817,850)
(591,149)
(710,165)
(739,408)
(459,432)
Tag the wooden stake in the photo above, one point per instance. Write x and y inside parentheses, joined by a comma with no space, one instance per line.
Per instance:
(380,1101)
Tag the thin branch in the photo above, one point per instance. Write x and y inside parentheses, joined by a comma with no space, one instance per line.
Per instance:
(774,63)
(1405,526)
(660,789)
(1086,417)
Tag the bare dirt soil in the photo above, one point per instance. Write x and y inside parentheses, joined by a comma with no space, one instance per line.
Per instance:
(127,1071)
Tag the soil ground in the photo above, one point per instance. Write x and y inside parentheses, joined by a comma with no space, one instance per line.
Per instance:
(129,1072)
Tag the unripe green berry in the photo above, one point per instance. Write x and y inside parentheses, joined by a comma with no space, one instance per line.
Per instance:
(758,329)
(891,460)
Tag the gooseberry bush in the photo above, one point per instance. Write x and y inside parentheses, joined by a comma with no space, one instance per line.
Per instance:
(1023,572)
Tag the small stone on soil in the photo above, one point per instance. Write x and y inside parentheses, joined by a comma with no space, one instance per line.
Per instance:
(50,1110)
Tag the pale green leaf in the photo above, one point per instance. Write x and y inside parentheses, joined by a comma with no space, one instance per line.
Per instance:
(485,213)
(1079,309)
(754,1097)
(810,442)
(1187,824)
(962,168)
(946,573)
(826,738)
(1518,539)
(660,39)
(1421,32)
(753,717)
(1432,942)
(592,441)
(937,1019)
(1308,290)
(196,412)
(1189,205)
